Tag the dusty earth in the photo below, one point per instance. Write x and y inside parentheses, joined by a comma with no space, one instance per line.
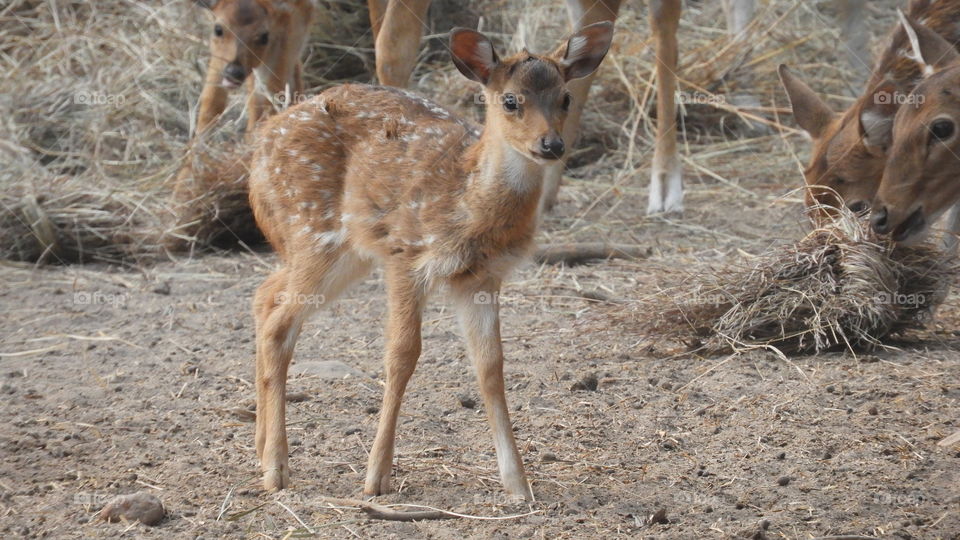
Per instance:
(123,380)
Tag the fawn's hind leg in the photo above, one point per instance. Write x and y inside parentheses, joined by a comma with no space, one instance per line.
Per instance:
(405,300)
(309,283)
(264,302)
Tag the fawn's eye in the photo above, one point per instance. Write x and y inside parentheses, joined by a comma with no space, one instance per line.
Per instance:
(510,103)
(566,102)
(942,129)
(264,38)
(839,181)
(218,30)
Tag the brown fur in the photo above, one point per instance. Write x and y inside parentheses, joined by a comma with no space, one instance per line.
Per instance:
(286,24)
(844,162)
(920,178)
(364,174)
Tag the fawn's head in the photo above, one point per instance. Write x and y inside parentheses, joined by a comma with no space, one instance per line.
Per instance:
(849,150)
(526,94)
(240,36)
(920,178)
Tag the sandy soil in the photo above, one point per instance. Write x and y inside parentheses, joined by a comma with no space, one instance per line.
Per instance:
(115,381)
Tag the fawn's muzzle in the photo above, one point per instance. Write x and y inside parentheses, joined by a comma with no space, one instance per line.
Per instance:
(551,147)
(234,74)
(882,224)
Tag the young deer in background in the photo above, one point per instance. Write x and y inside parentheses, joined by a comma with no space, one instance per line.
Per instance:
(264,38)
(362,174)
(850,148)
(920,178)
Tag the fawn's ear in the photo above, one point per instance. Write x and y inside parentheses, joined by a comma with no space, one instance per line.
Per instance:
(582,53)
(209,4)
(930,50)
(473,54)
(876,117)
(810,112)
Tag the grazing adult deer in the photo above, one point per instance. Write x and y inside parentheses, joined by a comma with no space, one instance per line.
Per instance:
(850,148)
(257,42)
(362,174)
(920,178)
(398,26)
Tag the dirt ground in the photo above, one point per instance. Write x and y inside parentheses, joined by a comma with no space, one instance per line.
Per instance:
(115,381)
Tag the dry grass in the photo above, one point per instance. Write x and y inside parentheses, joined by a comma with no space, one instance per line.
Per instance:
(839,286)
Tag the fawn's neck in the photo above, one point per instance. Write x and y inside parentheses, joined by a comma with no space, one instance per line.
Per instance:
(501,172)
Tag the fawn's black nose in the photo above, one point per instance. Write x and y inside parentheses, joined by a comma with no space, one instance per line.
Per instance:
(879,221)
(234,72)
(551,147)
(858,207)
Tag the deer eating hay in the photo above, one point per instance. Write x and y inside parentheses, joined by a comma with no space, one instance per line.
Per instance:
(839,287)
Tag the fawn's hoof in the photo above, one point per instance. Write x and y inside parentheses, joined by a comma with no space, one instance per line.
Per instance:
(276,479)
(377,486)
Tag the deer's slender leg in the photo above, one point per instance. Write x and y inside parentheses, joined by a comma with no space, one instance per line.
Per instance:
(306,285)
(405,298)
(582,13)
(478,311)
(213,97)
(398,40)
(666,174)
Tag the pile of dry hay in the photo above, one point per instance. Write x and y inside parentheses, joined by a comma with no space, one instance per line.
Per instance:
(839,287)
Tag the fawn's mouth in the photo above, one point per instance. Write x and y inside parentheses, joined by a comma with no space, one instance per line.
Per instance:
(544,157)
(915,223)
(230,83)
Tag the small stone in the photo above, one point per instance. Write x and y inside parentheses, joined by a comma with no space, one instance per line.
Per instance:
(783,481)
(139,506)
(466,401)
(873,411)
(548,457)
(589,382)
(163,288)
(782,455)
(660,517)
(351,431)
(372,409)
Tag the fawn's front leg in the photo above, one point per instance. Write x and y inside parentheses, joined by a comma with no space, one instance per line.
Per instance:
(479,313)
(213,97)
(405,299)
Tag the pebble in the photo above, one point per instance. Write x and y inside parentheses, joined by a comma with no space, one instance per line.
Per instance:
(139,506)
(466,401)
(588,382)
(783,481)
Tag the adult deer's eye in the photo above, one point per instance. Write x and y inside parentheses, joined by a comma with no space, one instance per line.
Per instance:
(566,102)
(942,129)
(218,31)
(510,103)
(264,38)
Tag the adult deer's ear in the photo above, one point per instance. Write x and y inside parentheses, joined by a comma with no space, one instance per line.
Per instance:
(582,53)
(810,112)
(209,4)
(473,54)
(876,115)
(930,50)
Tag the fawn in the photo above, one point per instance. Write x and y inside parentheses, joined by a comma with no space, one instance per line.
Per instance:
(920,177)
(850,148)
(264,38)
(363,174)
